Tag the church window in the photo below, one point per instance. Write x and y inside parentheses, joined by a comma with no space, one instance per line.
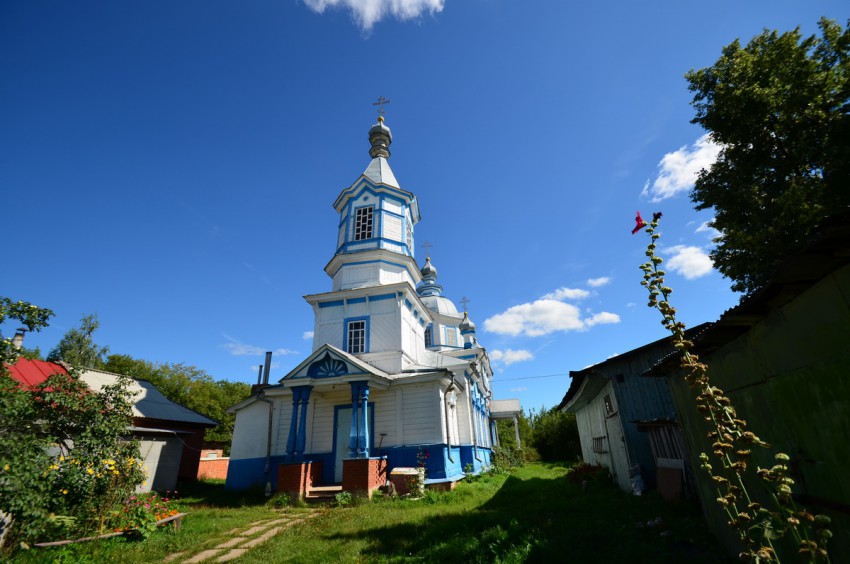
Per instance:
(356,337)
(429,336)
(451,336)
(363,223)
(409,236)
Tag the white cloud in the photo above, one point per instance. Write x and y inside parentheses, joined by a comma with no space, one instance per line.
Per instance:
(602,318)
(307,335)
(520,389)
(236,348)
(368,12)
(690,262)
(542,317)
(678,170)
(511,356)
(706,228)
(566,294)
(597,282)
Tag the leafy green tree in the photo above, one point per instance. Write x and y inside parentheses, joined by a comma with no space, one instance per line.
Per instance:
(778,108)
(78,348)
(189,386)
(554,434)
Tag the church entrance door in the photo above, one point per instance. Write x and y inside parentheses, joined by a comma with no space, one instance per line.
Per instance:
(342,433)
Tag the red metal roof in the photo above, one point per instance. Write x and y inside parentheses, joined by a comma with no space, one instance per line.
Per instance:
(32,372)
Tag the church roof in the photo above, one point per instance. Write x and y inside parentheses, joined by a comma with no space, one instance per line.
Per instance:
(379,172)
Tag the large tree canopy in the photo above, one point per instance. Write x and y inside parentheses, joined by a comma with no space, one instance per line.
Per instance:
(779,110)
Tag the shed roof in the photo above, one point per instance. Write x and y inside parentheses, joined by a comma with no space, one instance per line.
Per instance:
(581,384)
(827,251)
(31,372)
(148,401)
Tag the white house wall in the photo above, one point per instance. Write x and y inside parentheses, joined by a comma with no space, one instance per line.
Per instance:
(251,431)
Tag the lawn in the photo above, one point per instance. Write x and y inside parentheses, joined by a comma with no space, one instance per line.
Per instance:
(532,515)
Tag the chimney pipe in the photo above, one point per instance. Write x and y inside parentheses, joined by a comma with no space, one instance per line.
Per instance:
(260,375)
(18,339)
(267,367)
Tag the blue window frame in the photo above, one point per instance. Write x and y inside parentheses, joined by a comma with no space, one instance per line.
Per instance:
(356,335)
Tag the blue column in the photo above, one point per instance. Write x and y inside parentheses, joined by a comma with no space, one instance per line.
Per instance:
(363,435)
(301,441)
(293,424)
(352,436)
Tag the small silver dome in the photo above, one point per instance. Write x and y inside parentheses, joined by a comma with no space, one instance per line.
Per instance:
(428,269)
(439,304)
(380,137)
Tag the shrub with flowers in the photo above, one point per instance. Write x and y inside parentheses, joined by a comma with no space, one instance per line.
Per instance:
(140,513)
(66,461)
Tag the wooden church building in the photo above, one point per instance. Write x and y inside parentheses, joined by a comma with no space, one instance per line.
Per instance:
(396,377)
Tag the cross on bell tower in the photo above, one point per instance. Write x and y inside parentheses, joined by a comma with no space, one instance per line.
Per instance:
(381,101)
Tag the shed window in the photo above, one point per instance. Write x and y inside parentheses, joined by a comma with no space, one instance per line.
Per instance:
(599,445)
(363,223)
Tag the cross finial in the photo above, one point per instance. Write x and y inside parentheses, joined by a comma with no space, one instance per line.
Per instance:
(381,101)
(463,301)
(427,246)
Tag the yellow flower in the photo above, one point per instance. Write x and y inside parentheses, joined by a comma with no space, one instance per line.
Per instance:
(116,472)
(64,492)
(61,457)
(89,470)
(6,468)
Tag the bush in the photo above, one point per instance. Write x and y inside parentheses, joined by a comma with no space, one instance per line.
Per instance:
(506,458)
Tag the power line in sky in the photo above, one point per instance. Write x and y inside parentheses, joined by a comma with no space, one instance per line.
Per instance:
(530,377)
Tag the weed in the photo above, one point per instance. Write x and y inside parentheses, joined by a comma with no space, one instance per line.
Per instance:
(343,499)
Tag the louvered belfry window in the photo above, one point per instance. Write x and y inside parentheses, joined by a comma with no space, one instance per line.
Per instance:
(363,223)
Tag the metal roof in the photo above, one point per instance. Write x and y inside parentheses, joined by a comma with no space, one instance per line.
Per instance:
(379,172)
(147,400)
(31,372)
(504,409)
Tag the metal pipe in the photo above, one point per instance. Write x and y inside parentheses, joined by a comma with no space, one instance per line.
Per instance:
(449,388)
(267,471)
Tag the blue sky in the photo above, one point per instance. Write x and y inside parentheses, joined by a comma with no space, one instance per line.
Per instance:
(170,166)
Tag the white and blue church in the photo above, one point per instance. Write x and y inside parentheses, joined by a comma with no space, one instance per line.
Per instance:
(396,372)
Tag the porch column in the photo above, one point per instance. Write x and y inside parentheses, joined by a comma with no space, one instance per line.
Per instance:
(516,430)
(363,435)
(293,424)
(355,420)
(301,439)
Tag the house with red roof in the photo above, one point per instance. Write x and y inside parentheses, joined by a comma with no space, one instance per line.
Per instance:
(171,435)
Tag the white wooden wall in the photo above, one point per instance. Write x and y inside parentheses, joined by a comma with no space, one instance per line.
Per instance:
(593,421)
(252,427)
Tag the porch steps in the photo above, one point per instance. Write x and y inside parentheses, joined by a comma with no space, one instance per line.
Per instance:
(322,494)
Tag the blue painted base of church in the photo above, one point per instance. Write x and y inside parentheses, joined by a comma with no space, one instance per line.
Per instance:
(442,464)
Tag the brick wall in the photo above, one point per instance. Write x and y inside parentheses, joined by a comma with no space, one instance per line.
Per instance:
(213,468)
(297,478)
(363,476)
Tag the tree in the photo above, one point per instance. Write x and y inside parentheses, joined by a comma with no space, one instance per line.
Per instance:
(554,434)
(78,348)
(189,386)
(780,110)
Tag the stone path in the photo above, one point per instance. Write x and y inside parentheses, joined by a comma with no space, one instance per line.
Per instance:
(240,541)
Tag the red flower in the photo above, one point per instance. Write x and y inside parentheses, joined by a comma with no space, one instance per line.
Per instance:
(639,224)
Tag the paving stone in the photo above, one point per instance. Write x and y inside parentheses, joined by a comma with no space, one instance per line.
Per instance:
(232,555)
(254,530)
(172,557)
(232,542)
(205,555)
(262,538)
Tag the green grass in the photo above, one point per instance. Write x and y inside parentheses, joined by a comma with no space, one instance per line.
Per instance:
(533,515)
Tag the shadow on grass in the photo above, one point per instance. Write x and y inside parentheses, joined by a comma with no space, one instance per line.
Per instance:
(211,493)
(538,520)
